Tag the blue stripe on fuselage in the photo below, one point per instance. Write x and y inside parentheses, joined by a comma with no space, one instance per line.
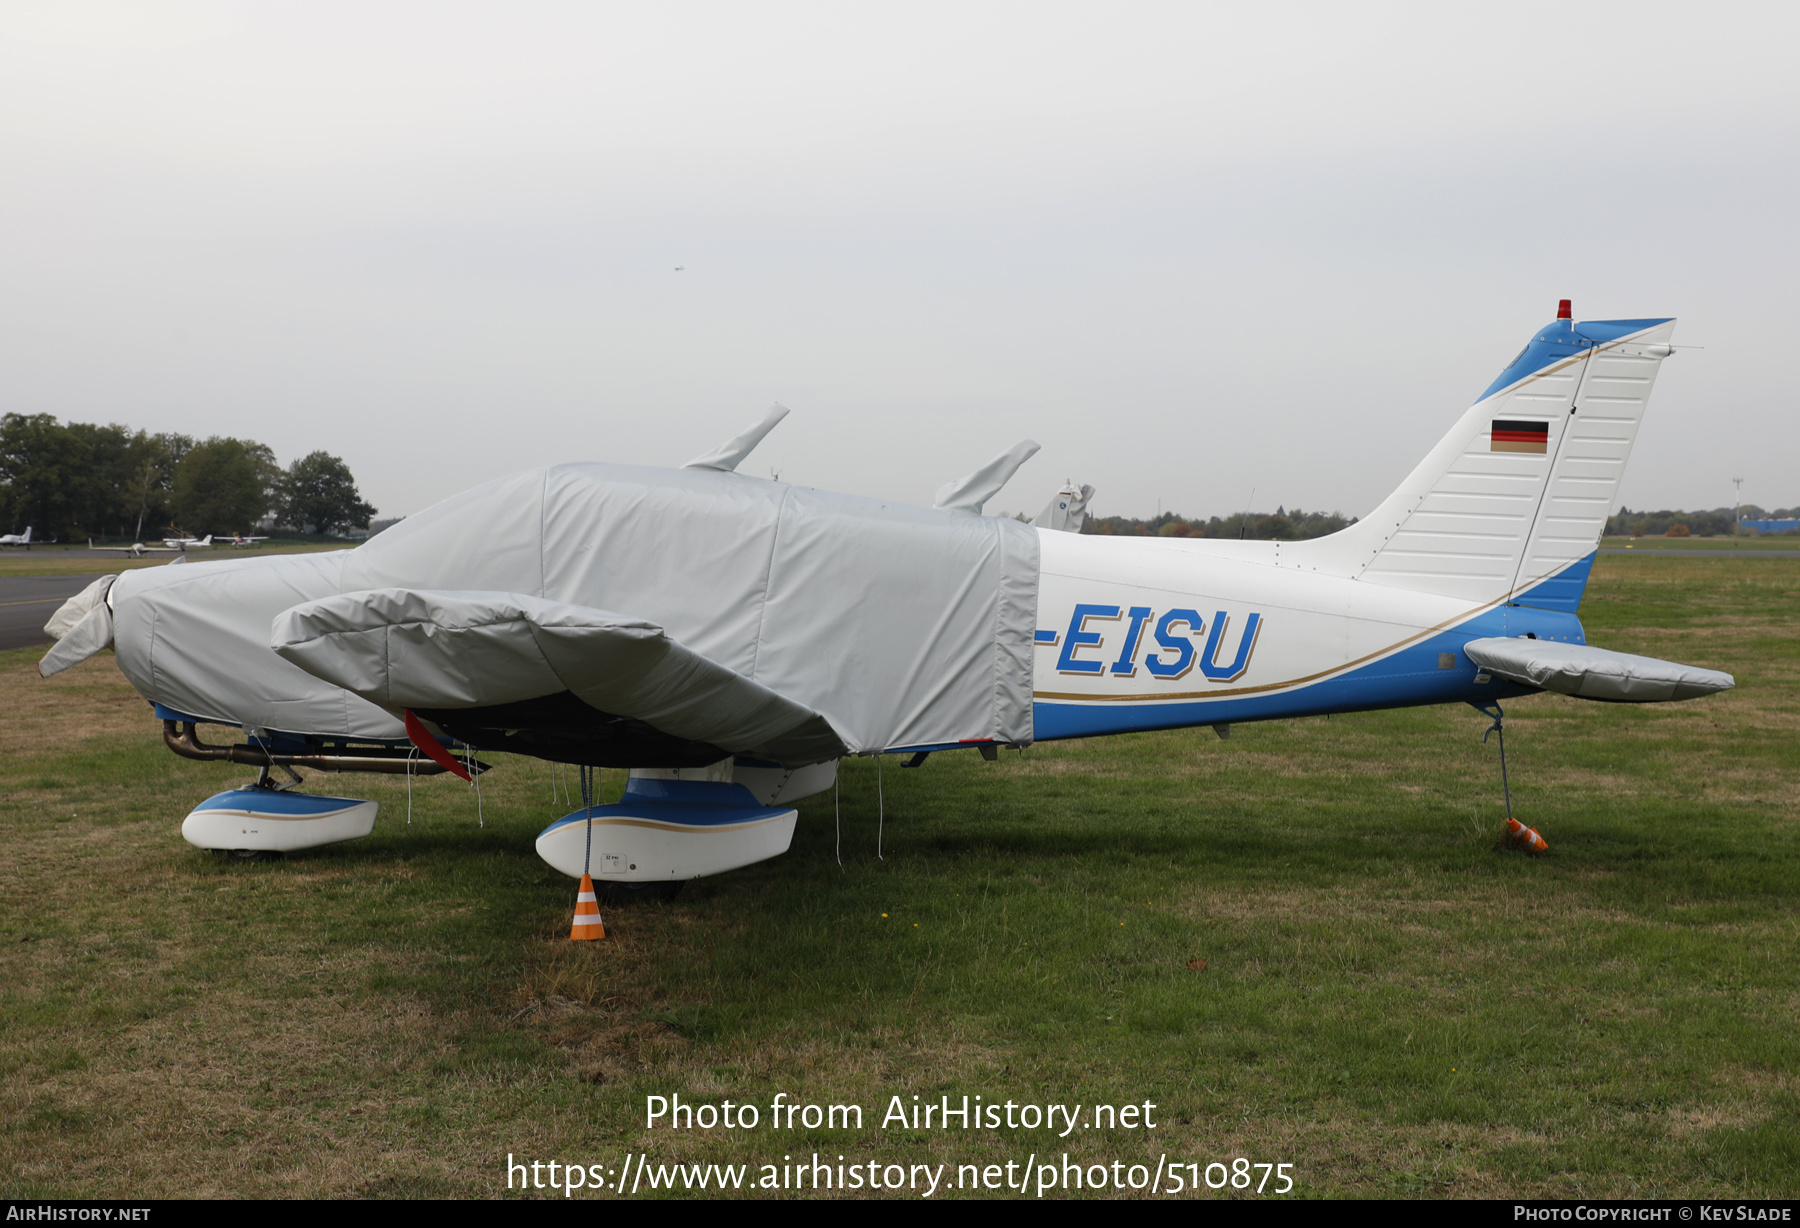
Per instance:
(1404,679)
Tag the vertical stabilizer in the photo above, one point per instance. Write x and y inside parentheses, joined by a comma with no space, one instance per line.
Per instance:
(1067,510)
(1512,502)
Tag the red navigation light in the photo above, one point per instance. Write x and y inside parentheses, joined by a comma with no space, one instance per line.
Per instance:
(1565,310)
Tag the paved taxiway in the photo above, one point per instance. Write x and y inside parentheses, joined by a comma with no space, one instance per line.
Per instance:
(27,602)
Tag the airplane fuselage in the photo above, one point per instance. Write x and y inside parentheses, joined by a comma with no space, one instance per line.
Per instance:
(1155,633)
(1131,633)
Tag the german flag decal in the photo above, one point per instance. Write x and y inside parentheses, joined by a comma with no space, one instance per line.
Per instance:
(1513,436)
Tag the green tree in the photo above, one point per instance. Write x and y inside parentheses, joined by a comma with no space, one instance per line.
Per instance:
(321,494)
(1283,525)
(100,493)
(149,484)
(222,485)
(44,475)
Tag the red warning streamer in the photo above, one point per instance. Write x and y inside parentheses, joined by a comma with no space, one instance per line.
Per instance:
(434,749)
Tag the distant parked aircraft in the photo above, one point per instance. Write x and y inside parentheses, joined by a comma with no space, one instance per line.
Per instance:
(17,539)
(171,545)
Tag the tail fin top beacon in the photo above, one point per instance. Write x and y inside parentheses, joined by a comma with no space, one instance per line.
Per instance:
(1511,503)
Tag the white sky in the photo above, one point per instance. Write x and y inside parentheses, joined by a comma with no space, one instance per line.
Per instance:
(1190,249)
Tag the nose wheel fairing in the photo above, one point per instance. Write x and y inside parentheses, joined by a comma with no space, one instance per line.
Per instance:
(275,821)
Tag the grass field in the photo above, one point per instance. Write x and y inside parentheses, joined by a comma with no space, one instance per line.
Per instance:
(1303,944)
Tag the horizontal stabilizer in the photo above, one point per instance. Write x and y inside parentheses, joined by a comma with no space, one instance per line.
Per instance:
(436,653)
(1587,672)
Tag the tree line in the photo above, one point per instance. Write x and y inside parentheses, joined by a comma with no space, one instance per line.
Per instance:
(1719,522)
(1281,525)
(1296,525)
(79,479)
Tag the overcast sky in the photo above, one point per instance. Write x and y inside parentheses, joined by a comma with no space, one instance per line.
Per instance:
(1190,249)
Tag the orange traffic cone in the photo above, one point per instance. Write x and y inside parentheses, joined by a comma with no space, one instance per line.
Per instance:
(1525,837)
(588,925)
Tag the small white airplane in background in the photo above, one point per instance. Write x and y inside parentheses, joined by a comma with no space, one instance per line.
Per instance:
(171,545)
(241,540)
(729,639)
(17,539)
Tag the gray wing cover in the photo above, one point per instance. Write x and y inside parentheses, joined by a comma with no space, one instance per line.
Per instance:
(1587,672)
(401,648)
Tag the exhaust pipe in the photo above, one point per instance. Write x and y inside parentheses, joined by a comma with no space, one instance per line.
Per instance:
(183,738)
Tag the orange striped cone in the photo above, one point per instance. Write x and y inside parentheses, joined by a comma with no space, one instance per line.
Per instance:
(588,925)
(1525,837)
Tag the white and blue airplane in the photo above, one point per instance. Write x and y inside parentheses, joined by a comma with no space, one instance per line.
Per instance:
(729,639)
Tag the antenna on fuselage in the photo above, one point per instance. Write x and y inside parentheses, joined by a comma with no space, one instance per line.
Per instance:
(728,455)
(971,493)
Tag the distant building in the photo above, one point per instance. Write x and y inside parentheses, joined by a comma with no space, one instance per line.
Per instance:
(1771,526)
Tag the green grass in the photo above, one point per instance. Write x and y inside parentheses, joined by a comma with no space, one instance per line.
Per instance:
(1389,1000)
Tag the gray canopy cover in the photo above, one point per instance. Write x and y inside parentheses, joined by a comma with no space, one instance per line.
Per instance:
(898,625)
